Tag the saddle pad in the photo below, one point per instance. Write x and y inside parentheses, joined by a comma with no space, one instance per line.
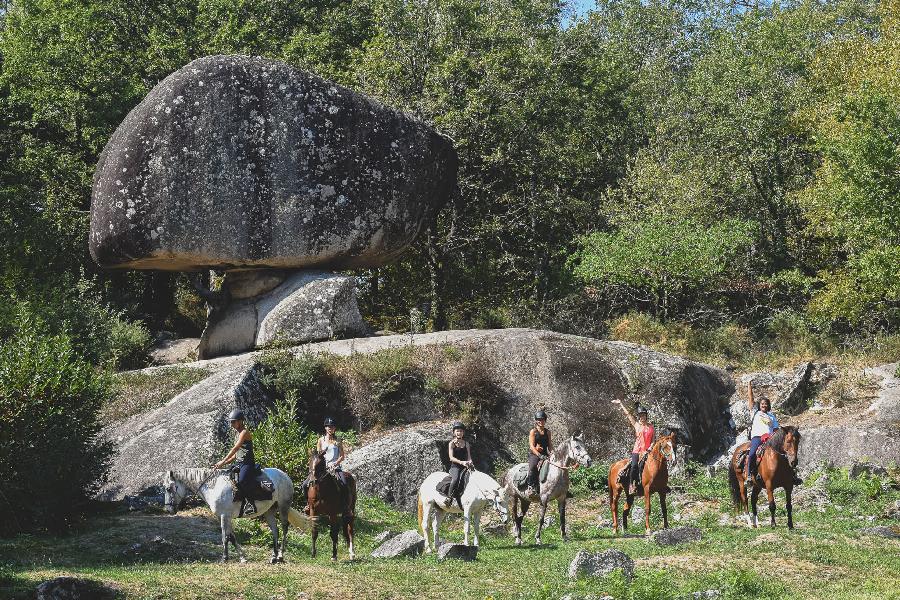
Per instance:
(444,486)
(520,477)
(263,489)
(545,468)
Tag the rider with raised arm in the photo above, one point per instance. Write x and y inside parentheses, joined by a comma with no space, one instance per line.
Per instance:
(539,445)
(460,459)
(242,454)
(643,439)
(762,424)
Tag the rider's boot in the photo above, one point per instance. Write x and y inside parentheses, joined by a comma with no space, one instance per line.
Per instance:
(448,501)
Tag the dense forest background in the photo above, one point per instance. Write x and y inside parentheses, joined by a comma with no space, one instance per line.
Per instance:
(726,170)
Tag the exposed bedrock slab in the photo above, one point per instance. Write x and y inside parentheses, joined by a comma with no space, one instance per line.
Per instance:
(307,306)
(235,161)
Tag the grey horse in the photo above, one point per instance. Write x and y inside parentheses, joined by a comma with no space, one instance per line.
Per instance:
(215,488)
(570,452)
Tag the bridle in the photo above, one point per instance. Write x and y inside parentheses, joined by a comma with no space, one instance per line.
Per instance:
(568,457)
(203,482)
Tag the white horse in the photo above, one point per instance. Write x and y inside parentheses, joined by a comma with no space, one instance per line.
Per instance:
(215,488)
(481,491)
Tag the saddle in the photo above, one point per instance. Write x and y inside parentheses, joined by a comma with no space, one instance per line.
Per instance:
(262,491)
(742,456)
(624,473)
(444,486)
(521,477)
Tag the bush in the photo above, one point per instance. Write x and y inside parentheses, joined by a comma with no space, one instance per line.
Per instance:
(52,459)
(590,479)
(284,442)
(129,344)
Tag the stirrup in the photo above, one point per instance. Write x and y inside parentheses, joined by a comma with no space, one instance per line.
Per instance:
(448,501)
(249,507)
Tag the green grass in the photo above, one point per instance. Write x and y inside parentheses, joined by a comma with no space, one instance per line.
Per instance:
(137,392)
(825,556)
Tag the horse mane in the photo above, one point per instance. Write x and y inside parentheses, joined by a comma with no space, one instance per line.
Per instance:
(777,439)
(192,478)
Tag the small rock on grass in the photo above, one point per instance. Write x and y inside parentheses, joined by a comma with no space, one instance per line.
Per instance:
(408,543)
(74,588)
(678,535)
(598,564)
(457,552)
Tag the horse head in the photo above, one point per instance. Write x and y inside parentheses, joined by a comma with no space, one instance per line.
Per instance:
(317,465)
(174,492)
(577,450)
(791,444)
(500,504)
(666,445)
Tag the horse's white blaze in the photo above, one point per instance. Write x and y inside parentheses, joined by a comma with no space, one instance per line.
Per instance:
(481,491)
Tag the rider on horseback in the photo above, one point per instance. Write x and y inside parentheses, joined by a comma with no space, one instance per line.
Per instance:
(762,424)
(643,432)
(460,459)
(539,445)
(242,454)
(333,449)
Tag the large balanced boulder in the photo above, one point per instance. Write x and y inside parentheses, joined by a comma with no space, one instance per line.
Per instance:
(188,431)
(234,161)
(306,306)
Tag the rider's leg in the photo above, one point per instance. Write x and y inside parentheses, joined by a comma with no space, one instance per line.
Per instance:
(533,483)
(246,483)
(455,474)
(751,458)
(633,474)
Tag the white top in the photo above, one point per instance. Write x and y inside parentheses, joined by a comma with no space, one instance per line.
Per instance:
(332,451)
(763,422)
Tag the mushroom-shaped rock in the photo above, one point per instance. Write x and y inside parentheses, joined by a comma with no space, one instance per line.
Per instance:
(235,161)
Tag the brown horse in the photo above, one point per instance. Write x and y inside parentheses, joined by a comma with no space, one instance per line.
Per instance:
(776,469)
(655,479)
(326,500)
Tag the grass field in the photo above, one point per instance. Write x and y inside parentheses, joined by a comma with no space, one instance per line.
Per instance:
(826,556)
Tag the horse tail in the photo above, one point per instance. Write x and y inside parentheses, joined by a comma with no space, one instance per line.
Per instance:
(299,520)
(734,484)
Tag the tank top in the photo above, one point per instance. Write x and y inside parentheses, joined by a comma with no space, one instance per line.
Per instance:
(332,451)
(244,454)
(542,440)
(460,453)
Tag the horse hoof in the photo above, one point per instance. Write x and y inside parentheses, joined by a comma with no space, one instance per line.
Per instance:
(334,559)
(565,538)
(518,542)
(273,560)
(243,560)
(223,559)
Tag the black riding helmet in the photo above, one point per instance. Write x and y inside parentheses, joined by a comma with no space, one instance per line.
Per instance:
(236,415)
(642,410)
(329,422)
(540,416)
(457,425)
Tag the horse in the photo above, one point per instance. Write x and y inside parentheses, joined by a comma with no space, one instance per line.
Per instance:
(570,452)
(776,468)
(215,488)
(481,491)
(654,478)
(324,498)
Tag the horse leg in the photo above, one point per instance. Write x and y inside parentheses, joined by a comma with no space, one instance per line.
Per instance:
(665,513)
(540,523)
(770,494)
(517,520)
(333,526)
(476,526)
(273,527)
(562,517)
(348,534)
(647,508)
(226,536)
(314,534)
(754,496)
(466,516)
(789,507)
(626,511)
(614,508)
(237,546)
(285,524)
(437,518)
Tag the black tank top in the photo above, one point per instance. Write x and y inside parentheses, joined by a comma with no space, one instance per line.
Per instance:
(244,454)
(542,440)
(460,453)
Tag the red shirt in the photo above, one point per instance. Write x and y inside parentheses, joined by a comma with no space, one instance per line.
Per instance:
(644,438)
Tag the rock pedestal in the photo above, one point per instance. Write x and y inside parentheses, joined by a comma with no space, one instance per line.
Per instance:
(293,307)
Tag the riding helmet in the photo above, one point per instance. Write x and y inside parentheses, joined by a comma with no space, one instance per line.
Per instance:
(457,425)
(236,415)
(540,416)
(329,422)
(642,410)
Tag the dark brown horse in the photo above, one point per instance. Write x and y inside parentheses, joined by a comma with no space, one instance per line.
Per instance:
(655,479)
(776,469)
(325,499)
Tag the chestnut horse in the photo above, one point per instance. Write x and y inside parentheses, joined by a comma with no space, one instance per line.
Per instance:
(776,469)
(325,500)
(655,479)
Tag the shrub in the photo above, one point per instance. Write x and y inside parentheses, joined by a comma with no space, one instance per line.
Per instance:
(284,442)
(129,344)
(138,392)
(52,459)
(590,479)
